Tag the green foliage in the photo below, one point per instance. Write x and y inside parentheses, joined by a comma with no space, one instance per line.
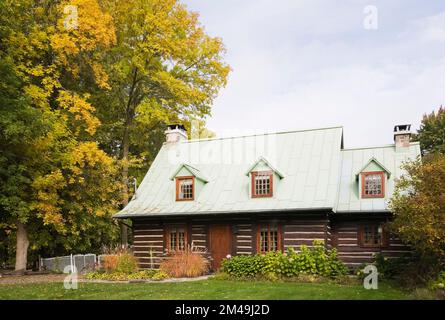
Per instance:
(164,68)
(431,134)
(54,177)
(80,108)
(314,261)
(126,263)
(243,266)
(389,268)
(419,206)
(160,275)
(438,283)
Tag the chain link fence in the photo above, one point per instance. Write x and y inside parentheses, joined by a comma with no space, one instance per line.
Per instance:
(82,263)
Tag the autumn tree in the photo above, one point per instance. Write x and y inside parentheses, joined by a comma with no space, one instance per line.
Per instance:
(431,134)
(163,68)
(57,187)
(418,204)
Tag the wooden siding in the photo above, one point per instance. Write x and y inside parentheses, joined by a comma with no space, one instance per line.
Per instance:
(243,239)
(339,233)
(199,237)
(345,239)
(148,238)
(304,232)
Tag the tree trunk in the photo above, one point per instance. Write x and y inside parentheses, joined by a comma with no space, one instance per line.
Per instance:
(22,248)
(125,152)
(126,148)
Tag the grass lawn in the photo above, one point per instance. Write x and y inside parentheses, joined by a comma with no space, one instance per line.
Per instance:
(206,289)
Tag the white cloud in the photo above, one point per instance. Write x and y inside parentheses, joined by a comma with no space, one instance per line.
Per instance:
(303,64)
(432,28)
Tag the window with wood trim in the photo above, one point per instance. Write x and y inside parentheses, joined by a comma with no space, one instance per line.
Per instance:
(373,184)
(268,237)
(176,238)
(373,235)
(262,184)
(185,188)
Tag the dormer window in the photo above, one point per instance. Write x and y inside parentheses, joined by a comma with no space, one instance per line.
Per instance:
(185,188)
(262,175)
(189,182)
(373,184)
(262,184)
(372,179)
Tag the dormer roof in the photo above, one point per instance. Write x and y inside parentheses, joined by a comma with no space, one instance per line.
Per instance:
(262,160)
(192,170)
(374,160)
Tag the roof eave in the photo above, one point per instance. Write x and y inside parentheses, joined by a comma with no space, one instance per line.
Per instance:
(203,213)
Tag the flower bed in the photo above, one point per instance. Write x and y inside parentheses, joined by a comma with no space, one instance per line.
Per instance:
(123,266)
(121,276)
(186,263)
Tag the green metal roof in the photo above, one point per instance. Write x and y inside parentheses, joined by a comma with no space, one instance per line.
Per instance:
(309,158)
(355,160)
(318,174)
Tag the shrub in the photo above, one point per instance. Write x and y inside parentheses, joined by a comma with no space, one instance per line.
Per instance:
(439,283)
(389,268)
(121,263)
(126,263)
(312,261)
(244,266)
(185,263)
(110,262)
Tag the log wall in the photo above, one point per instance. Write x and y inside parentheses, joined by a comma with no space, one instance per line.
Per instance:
(149,245)
(345,237)
(243,239)
(304,232)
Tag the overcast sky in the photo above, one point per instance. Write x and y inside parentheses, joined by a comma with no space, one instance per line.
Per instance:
(300,64)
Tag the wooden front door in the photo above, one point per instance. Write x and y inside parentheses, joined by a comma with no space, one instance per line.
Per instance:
(220,243)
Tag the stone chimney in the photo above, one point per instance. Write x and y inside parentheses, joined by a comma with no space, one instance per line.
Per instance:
(175,133)
(402,135)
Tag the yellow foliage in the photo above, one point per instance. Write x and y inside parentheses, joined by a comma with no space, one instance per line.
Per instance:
(81,109)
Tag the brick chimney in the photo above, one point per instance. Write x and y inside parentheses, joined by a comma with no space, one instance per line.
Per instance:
(175,133)
(402,135)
